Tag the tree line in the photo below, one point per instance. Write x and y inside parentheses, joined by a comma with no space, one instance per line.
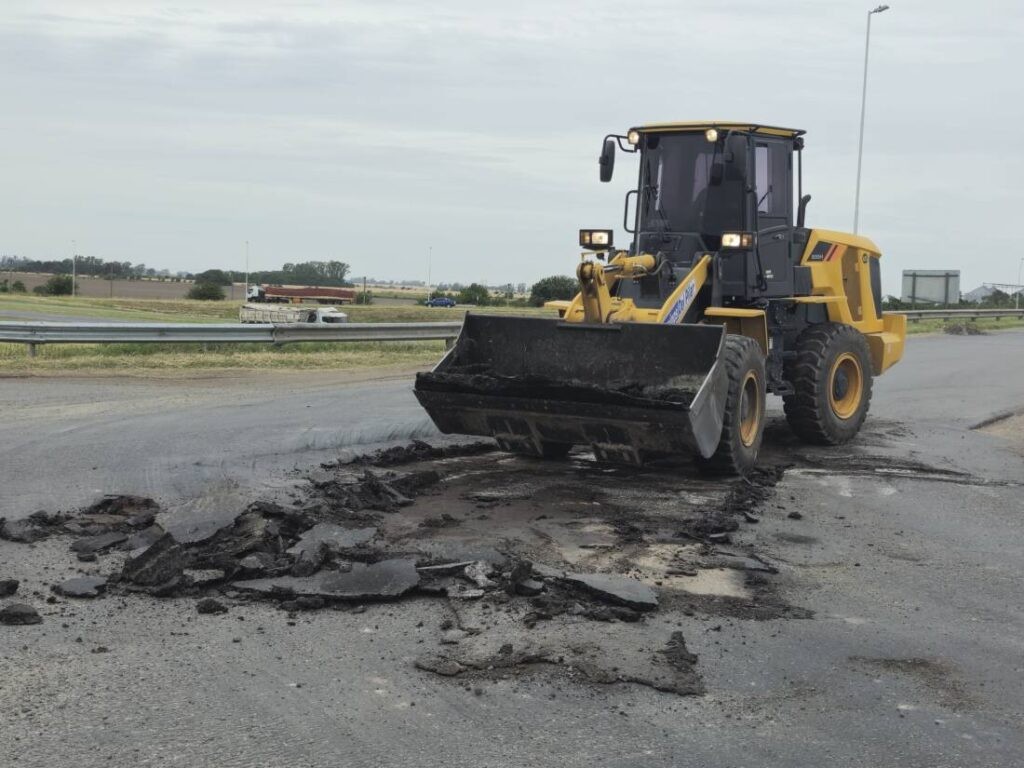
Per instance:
(332,273)
(91,266)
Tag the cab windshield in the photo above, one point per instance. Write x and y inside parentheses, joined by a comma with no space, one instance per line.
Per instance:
(686,189)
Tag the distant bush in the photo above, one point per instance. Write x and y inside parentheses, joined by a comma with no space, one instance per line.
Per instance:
(18,287)
(57,285)
(552,289)
(214,276)
(206,291)
(364,297)
(475,294)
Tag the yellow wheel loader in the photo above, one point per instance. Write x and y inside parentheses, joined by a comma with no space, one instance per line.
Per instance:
(671,346)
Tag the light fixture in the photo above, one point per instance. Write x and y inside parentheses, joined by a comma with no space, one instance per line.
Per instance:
(596,239)
(711,134)
(633,137)
(737,240)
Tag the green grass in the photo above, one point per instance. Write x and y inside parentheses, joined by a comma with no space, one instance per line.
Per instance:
(67,358)
(939,326)
(141,310)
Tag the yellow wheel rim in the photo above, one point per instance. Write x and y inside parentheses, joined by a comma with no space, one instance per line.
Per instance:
(750,409)
(845,385)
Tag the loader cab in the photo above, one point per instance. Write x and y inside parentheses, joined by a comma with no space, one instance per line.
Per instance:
(700,181)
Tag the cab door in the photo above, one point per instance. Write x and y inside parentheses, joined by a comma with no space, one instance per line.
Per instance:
(773,180)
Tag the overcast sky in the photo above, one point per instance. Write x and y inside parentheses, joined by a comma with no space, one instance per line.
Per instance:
(171,132)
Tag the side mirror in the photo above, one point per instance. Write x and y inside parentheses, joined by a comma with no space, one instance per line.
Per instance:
(607,159)
(802,210)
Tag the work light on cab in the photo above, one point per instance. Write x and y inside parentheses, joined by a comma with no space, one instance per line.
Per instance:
(596,239)
(738,240)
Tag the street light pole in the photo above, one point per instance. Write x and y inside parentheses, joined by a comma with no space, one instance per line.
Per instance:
(430,253)
(74,267)
(863,104)
(245,296)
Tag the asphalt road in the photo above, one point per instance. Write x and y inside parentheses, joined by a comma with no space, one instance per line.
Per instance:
(913,656)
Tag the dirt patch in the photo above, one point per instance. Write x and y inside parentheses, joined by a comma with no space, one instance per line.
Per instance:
(964,328)
(937,677)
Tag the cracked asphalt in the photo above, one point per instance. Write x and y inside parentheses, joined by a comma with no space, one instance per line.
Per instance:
(908,552)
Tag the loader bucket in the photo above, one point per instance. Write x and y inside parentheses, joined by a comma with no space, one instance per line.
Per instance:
(631,391)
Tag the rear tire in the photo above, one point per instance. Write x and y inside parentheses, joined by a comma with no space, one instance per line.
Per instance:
(743,422)
(831,376)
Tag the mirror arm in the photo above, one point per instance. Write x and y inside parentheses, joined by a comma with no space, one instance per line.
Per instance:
(801,211)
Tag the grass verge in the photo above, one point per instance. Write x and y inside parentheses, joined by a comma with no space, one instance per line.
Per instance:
(939,326)
(53,359)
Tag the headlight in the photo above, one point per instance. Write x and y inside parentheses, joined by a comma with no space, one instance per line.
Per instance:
(737,240)
(596,239)
(711,134)
(633,137)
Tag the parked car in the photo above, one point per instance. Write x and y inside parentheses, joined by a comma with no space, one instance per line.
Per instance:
(441,301)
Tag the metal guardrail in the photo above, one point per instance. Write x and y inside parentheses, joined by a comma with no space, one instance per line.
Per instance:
(231,333)
(955,314)
(220,333)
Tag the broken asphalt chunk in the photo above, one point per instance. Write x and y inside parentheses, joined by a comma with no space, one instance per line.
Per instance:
(208,606)
(157,565)
(440,665)
(8,587)
(99,543)
(203,577)
(17,614)
(21,531)
(257,563)
(123,505)
(82,586)
(145,537)
(528,587)
(616,589)
(479,572)
(333,538)
(386,579)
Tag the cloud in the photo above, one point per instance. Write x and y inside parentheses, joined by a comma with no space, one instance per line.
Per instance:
(170,132)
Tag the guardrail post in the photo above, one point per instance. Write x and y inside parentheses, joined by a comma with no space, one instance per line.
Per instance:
(31,350)
(448,344)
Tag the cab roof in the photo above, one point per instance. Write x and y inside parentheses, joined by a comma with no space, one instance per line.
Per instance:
(703,125)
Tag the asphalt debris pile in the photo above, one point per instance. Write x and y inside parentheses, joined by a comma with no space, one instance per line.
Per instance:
(743,500)
(417,450)
(543,566)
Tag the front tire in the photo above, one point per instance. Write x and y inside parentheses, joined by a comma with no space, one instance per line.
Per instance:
(832,379)
(743,422)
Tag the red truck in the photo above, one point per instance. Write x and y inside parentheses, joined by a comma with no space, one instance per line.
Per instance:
(296,294)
